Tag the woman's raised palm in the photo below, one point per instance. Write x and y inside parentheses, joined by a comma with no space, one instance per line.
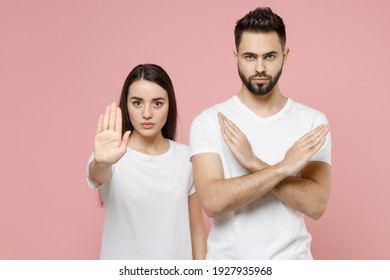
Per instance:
(109,145)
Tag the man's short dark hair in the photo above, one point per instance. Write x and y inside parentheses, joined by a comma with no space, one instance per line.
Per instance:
(261,20)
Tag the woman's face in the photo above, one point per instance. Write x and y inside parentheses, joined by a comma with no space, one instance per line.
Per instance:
(148,106)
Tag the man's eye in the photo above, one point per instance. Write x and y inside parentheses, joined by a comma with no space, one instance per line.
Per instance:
(270,57)
(249,57)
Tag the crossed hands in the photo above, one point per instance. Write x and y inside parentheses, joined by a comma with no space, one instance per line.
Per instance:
(109,145)
(297,156)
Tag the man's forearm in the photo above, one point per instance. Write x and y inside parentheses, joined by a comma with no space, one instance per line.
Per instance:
(303,195)
(223,195)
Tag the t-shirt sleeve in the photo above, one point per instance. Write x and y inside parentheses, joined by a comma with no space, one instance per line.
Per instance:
(202,135)
(324,154)
(191,190)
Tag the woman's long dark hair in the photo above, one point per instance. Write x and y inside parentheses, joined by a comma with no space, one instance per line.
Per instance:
(155,74)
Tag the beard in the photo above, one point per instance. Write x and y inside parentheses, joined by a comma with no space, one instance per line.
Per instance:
(260,90)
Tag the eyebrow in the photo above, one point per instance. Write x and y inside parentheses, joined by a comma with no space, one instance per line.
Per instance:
(249,53)
(256,55)
(269,53)
(140,99)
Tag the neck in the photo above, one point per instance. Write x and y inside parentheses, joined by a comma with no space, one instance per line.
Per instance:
(263,106)
(153,145)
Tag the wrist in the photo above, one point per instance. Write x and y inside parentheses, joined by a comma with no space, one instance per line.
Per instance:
(101,164)
(257,165)
(283,169)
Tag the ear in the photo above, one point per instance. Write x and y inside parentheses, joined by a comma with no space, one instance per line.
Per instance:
(235,54)
(285,54)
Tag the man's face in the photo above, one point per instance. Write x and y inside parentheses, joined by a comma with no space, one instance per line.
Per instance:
(260,60)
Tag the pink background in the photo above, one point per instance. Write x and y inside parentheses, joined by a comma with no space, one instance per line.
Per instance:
(61,62)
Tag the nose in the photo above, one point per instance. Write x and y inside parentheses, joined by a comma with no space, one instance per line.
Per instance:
(260,67)
(147,112)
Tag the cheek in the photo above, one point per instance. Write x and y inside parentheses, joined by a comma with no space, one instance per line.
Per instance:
(132,113)
(277,66)
(164,114)
(244,68)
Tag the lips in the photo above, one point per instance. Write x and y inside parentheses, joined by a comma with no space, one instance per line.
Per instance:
(147,125)
(259,79)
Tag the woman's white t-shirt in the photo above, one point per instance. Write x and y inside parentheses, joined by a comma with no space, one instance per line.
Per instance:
(146,206)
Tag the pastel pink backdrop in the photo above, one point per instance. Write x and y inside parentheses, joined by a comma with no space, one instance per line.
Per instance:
(61,62)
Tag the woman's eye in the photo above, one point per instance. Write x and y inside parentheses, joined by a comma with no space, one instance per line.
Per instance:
(136,103)
(158,104)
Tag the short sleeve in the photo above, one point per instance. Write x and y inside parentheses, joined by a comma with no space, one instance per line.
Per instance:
(202,135)
(325,153)
(191,185)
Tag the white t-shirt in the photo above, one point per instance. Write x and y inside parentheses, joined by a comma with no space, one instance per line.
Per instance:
(146,206)
(265,228)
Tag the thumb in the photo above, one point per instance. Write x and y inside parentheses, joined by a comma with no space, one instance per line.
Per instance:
(125,140)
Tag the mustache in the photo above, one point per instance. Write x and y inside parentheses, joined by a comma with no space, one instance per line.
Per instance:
(260,75)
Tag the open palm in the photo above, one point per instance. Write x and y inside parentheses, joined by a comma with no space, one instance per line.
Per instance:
(109,145)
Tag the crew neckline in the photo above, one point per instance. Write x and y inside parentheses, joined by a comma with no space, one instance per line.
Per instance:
(278,115)
(143,155)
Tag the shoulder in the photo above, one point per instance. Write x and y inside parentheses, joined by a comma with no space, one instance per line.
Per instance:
(180,154)
(180,148)
(307,111)
(211,113)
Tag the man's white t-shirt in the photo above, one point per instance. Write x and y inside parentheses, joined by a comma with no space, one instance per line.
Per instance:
(265,228)
(146,206)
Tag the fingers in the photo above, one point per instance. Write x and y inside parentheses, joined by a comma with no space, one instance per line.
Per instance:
(99,127)
(227,135)
(118,120)
(230,129)
(106,117)
(109,118)
(322,129)
(317,147)
(125,140)
(232,135)
(312,137)
(313,140)
(320,139)
(111,123)
(229,125)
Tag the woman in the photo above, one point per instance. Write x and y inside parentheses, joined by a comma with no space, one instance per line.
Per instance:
(144,176)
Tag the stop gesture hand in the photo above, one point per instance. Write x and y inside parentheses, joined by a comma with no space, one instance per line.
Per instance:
(109,145)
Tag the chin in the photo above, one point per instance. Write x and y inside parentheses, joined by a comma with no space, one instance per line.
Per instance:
(148,133)
(151,133)
(261,94)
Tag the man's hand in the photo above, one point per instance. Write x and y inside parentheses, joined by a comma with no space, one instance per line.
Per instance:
(239,145)
(295,159)
(301,152)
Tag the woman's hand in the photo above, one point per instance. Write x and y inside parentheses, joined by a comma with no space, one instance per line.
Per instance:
(109,145)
